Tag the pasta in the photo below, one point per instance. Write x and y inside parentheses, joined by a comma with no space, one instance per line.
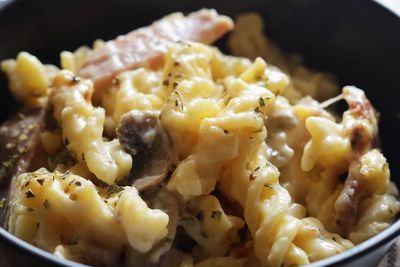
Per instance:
(194,158)
(76,213)
(82,126)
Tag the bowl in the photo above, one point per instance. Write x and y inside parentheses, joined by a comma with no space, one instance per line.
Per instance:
(358,40)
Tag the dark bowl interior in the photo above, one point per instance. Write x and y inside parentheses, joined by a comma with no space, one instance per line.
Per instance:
(358,40)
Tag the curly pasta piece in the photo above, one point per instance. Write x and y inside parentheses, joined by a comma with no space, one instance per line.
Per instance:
(82,129)
(279,236)
(374,171)
(317,242)
(329,143)
(243,116)
(52,209)
(210,227)
(271,225)
(194,95)
(28,78)
(197,174)
(377,213)
(240,119)
(137,90)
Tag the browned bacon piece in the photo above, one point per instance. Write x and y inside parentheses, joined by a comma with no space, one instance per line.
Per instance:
(361,121)
(146,46)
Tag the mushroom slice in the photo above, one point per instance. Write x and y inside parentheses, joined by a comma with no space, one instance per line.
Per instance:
(19,143)
(166,201)
(143,137)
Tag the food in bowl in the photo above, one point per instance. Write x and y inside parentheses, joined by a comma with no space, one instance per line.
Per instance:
(156,149)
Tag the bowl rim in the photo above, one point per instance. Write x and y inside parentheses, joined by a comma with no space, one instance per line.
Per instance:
(36,252)
(383,238)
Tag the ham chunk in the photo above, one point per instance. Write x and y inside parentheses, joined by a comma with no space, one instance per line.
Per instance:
(147,46)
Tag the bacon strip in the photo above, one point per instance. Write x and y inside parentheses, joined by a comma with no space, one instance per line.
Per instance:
(361,121)
(146,46)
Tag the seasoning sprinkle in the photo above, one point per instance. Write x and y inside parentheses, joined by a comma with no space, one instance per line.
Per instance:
(261,102)
(46,204)
(226,131)
(180,99)
(29,194)
(40,181)
(216,214)
(258,112)
(64,175)
(200,215)
(77,183)
(113,189)
(75,79)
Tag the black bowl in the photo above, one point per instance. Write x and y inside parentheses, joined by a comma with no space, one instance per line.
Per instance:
(358,40)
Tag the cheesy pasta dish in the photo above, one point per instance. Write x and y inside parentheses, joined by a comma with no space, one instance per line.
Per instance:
(156,149)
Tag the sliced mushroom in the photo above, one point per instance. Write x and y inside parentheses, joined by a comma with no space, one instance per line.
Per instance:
(19,145)
(164,200)
(143,137)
